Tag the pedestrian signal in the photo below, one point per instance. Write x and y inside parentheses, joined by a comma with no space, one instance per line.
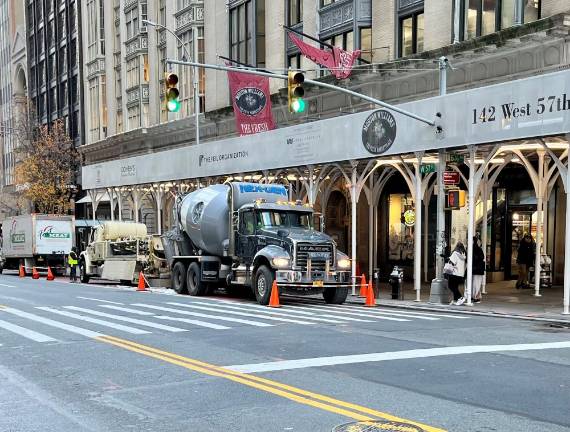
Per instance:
(172,94)
(455,199)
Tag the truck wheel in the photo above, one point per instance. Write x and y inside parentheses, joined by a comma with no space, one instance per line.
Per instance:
(179,278)
(334,295)
(195,286)
(83,272)
(262,284)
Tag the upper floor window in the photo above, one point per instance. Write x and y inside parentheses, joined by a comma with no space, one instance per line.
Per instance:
(343,40)
(247,32)
(366,43)
(294,12)
(411,34)
(327,2)
(483,17)
(132,20)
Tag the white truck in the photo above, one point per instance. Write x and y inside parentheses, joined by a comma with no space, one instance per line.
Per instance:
(120,251)
(37,240)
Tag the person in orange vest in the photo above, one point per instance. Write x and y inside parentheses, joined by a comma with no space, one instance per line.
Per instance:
(72,260)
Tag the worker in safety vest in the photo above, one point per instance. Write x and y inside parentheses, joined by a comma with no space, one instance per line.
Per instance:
(72,261)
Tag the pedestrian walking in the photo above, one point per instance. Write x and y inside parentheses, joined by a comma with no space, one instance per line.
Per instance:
(478,270)
(525,258)
(455,272)
(72,260)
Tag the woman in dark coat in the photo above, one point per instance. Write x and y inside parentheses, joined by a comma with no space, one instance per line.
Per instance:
(525,259)
(478,270)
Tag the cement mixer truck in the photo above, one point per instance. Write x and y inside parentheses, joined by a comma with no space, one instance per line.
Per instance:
(248,235)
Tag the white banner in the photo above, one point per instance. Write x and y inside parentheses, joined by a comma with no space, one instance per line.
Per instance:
(531,107)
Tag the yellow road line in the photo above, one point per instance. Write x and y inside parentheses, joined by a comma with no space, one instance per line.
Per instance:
(293,393)
(3,307)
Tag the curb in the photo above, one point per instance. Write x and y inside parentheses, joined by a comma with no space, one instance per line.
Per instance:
(469,312)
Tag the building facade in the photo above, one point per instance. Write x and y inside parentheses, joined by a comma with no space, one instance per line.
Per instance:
(13,94)
(486,42)
(54,59)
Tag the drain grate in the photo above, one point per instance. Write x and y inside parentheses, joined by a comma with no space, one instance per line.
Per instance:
(377,426)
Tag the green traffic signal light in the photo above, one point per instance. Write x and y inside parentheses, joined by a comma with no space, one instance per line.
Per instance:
(298,106)
(172,93)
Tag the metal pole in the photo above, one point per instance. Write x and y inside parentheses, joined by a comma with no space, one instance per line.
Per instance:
(418,229)
(195,70)
(196,90)
(371,229)
(485,197)
(539,203)
(470,227)
(353,201)
(566,310)
(307,81)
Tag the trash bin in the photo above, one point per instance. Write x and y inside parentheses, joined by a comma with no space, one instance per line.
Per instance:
(395,280)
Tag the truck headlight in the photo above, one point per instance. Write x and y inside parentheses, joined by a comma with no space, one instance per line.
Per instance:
(343,263)
(280,262)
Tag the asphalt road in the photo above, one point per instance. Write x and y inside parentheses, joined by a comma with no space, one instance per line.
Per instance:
(79,358)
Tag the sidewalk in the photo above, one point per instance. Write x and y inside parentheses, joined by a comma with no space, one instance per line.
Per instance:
(502,299)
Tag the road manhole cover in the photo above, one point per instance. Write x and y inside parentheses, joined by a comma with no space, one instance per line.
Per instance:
(377,426)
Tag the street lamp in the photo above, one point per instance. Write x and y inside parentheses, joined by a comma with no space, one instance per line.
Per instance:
(195,70)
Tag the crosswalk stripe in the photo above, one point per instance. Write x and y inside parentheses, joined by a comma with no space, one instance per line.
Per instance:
(27,333)
(7,286)
(271,318)
(362,314)
(203,315)
(296,310)
(126,309)
(99,300)
(264,310)
(103,323)
(374,313)
(195,322)
(127,319)
(406,312)
(52,323)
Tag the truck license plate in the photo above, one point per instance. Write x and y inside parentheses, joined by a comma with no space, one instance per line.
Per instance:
(318,283)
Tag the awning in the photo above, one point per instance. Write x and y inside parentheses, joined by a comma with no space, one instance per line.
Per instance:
(87,199)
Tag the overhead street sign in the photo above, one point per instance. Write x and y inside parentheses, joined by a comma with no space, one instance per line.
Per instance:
(427,168)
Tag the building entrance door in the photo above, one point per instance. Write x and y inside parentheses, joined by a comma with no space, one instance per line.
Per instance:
(521,221)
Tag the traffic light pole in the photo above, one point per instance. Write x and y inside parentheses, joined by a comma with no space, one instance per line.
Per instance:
(308,81)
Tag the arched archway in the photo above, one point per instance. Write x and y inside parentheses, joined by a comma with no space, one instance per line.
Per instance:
(20,84)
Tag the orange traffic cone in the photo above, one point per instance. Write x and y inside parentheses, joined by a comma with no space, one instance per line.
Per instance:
(370,300)
(363,286)
(35,274)
(50,275)
(274,299)
(22,271)
(141,286)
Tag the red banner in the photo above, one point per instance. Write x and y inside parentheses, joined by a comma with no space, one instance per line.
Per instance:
(252,103)
(338,61)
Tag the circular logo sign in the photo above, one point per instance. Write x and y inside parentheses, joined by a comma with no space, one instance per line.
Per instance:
(409,218)
(379,131)
(250,101)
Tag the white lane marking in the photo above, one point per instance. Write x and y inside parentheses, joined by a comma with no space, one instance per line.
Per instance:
(213,309)
(57,324)
(103,323)
(393,355)
(289,310)
(125,309)
(99,300)
(408,312)
(271,312)
(27,333)
(374,313)
(127,319)
(195,322)
(7,286)
(203,315)
(361,314)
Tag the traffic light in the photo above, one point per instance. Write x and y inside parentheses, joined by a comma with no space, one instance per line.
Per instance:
(455,199)
(296,91)
(172,93)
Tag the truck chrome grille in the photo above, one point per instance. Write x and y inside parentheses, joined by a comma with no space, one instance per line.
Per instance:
(318,253)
